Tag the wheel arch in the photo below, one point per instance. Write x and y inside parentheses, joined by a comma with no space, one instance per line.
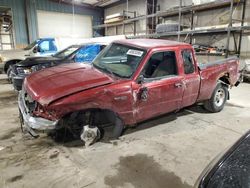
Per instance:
(107,121)
(10,62)
(100,111)
(224,79)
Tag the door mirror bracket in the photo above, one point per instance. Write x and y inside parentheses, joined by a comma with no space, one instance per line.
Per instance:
(36,49)
(141,79)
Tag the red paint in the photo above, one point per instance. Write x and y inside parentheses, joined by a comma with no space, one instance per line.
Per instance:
(68,88)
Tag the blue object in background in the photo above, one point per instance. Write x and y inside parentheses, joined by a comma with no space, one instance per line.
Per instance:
(87,53)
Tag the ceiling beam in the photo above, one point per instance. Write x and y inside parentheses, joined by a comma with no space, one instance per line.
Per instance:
(115,3)
(77,3)
(101,2)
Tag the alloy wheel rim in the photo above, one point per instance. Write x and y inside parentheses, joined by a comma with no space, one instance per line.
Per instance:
(219,97)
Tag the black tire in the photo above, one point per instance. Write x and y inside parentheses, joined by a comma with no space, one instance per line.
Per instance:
(218,99)
(245,79)
(117,129)
(112,132)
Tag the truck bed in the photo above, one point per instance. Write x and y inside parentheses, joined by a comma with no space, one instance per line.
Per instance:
(211,72)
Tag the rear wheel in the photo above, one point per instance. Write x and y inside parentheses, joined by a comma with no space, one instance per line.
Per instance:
(218,99)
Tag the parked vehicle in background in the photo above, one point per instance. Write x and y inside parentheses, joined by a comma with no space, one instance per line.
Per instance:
(246,71)
(128,82)
(73,54)
(45,47)
(230,169)
(40,47)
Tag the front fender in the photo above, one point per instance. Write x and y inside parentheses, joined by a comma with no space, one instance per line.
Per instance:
(121,103)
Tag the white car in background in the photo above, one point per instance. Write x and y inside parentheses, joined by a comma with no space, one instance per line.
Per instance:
(45,47)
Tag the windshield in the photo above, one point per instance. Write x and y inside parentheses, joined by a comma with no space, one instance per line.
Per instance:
(119,59)
(30,46)
(66,52)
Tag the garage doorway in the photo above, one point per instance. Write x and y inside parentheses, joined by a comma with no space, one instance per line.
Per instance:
(54,24)
(6,29)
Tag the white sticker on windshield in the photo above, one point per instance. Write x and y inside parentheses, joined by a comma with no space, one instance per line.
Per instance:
(135,53)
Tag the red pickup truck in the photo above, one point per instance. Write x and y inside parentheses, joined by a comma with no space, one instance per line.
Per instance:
(130,81)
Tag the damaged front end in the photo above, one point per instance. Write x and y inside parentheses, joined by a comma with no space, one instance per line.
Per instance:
(29,121)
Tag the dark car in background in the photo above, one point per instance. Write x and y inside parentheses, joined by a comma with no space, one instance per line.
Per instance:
(73,54)
(231,169)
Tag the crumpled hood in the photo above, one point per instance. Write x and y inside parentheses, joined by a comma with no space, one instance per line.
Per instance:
(53,83)
(37,60)
(12,54)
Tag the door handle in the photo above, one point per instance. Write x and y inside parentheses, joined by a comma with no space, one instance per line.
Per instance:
(178,85)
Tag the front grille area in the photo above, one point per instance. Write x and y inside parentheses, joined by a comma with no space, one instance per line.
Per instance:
(29,104)
(20,70)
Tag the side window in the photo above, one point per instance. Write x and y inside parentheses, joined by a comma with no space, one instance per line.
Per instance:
(188,62)
(160,64)
(44,46)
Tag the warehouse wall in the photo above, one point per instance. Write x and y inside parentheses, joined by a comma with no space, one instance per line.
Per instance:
(220,17)
(202,19)
(18,10)
(167,4)
(139,6)
(18,14)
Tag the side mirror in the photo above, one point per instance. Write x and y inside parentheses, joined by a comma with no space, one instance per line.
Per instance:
(141,79)
(36,49)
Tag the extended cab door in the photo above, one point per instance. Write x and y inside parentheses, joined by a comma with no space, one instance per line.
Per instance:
(191,77)
(161,89)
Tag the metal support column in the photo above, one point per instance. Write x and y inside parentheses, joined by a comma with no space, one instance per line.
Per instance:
(153,11)
(179,27)
(123,25)
(235,43)
(229,28)
(134,23)
(191,26)
(27,20)
(242,24)
(146,17)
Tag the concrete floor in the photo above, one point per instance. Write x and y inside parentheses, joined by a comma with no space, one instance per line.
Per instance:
(170,151)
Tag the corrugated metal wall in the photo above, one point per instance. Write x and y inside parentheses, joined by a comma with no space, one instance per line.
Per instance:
(18,12)
(21,34)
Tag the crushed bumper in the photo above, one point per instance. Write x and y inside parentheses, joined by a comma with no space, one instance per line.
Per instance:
(33,123)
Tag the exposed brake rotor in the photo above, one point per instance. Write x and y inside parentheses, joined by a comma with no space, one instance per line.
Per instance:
(90,135)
